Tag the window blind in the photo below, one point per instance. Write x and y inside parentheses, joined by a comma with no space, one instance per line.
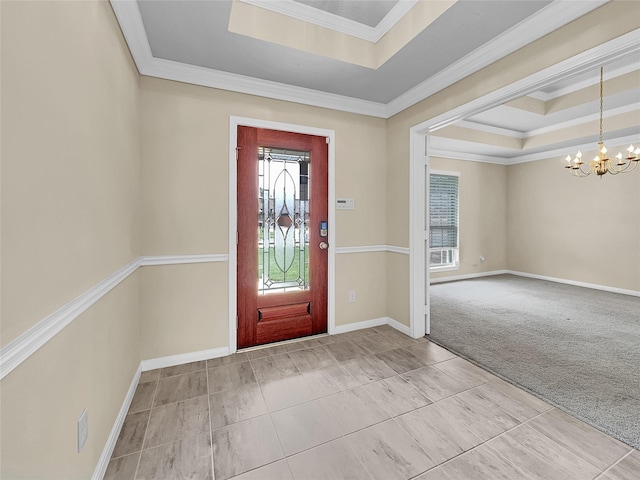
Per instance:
(443,211)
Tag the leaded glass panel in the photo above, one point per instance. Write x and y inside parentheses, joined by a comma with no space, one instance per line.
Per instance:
(283,220)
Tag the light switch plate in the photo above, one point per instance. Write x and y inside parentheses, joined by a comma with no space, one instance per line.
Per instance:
(345,203)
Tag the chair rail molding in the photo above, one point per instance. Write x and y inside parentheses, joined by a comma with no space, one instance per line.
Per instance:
(25,345)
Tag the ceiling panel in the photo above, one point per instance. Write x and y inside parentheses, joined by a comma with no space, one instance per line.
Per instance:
(367,12)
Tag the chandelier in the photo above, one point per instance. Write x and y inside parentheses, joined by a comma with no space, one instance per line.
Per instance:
(602,164)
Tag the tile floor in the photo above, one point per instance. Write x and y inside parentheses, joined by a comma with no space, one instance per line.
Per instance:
(370,404)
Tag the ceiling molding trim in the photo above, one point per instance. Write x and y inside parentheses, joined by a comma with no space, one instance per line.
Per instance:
(130,20)
(481,127)
(468,157)
(579,121)
(606,52)
(594,80)
(334,22)
(545,21)
(561,153)
(181,72)
(394,16)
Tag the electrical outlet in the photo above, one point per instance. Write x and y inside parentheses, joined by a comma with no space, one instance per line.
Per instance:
(83,429)
(352,296)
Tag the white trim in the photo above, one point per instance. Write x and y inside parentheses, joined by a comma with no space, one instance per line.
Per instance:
(544,21)
(107,451)
(418,187)
(562,152)
(605,288)
(617,48)
(418,233)
(481,127)
(372,249)
(593,80)
(173,360)
(182,259)
(594,286)
(234,122)
(196,75)
(469,157)
(532,157)
(468,276)
(350,327)
(334,22)
(375,322)
(401,327)
(21,348)
(584,119)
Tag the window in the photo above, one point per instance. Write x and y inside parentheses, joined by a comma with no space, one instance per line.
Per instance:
(443,221)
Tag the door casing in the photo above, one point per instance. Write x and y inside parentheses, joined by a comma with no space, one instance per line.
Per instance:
(234,122)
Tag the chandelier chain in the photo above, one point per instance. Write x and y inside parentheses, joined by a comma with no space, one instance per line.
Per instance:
(601,95)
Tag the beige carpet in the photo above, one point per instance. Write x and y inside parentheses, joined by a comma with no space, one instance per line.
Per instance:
(575,347)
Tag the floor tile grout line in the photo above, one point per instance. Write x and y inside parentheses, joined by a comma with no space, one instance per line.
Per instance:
(610,467)
(485,442)
(146,428)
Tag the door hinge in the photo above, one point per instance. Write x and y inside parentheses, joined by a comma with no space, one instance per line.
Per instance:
(426,159)
(237,238)
(237,153)
(236,322)
(328,140)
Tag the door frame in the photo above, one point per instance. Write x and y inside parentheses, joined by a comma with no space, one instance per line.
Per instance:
(419,301)
(234,122)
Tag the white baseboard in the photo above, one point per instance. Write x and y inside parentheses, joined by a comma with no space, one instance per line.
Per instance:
(604,288)
(350,327)
(468,276)
(376,322)
(107,451)
(401,327)
(174,360)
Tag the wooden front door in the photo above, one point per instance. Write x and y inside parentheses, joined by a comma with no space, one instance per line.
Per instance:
(282,235)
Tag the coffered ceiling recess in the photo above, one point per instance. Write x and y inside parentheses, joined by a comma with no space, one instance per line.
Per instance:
(378,57)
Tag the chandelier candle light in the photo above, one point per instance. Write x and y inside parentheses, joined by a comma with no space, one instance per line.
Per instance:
(602,164)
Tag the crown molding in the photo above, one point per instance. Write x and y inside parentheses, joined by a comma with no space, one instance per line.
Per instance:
(481,127)
(468,157)
(532,157)
(544,21)
(593,80)
(334,22)
(181,72)
(586,118)
(561,153)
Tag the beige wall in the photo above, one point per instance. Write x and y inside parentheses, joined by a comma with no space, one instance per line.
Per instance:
(591,30)
(185,188)
(586,230)
(482,192)
(70,176)
(100,166)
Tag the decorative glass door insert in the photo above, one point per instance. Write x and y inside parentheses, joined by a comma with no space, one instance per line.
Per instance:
(283,220)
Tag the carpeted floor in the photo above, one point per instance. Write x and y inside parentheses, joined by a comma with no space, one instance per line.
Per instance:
(577,348)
